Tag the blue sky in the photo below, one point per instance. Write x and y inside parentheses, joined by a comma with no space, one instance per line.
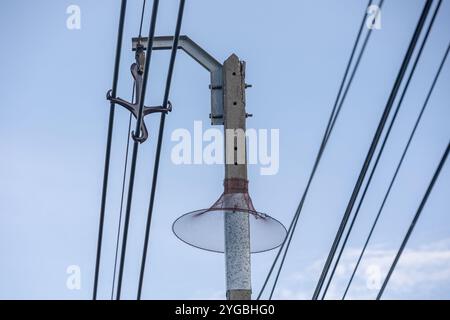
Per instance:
(53,122)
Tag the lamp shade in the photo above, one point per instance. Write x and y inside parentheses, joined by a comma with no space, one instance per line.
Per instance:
(204,229)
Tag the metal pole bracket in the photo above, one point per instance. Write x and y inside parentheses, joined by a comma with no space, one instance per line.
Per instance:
(204,59)
(137,70)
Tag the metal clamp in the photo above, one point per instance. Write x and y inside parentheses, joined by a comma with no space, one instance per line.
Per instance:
(137,70)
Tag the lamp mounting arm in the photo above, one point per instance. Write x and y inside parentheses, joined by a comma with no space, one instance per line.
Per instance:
(203,58)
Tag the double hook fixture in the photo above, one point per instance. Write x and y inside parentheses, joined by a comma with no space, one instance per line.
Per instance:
(137,70)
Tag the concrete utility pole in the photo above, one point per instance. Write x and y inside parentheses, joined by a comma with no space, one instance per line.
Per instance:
(237,228)
(227,109)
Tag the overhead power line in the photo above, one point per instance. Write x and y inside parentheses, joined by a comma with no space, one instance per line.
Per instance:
(144,2)
(373,146)
(414,221)
(380,152)
(137,131)
(125,169)
(159,144)
(122,197)
(331,121)
(108,145)
(396,172)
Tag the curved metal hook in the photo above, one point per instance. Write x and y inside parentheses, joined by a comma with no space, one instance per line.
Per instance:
(142,138)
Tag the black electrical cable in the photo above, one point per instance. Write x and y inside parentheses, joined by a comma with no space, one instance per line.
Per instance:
(380,152)
(373,146)
(333,117)
(108,145)
(414,221)
(122,196)
(330,124)
(159,144)
(136,144)
(142,17)
(125,168)
(321,150)
(395,173)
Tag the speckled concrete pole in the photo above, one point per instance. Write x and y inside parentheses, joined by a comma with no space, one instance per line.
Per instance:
(237,229)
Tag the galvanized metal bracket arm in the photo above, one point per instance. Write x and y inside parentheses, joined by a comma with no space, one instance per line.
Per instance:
(137,70)
(204,59)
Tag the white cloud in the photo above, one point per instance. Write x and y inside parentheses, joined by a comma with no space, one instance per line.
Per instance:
(422,272)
